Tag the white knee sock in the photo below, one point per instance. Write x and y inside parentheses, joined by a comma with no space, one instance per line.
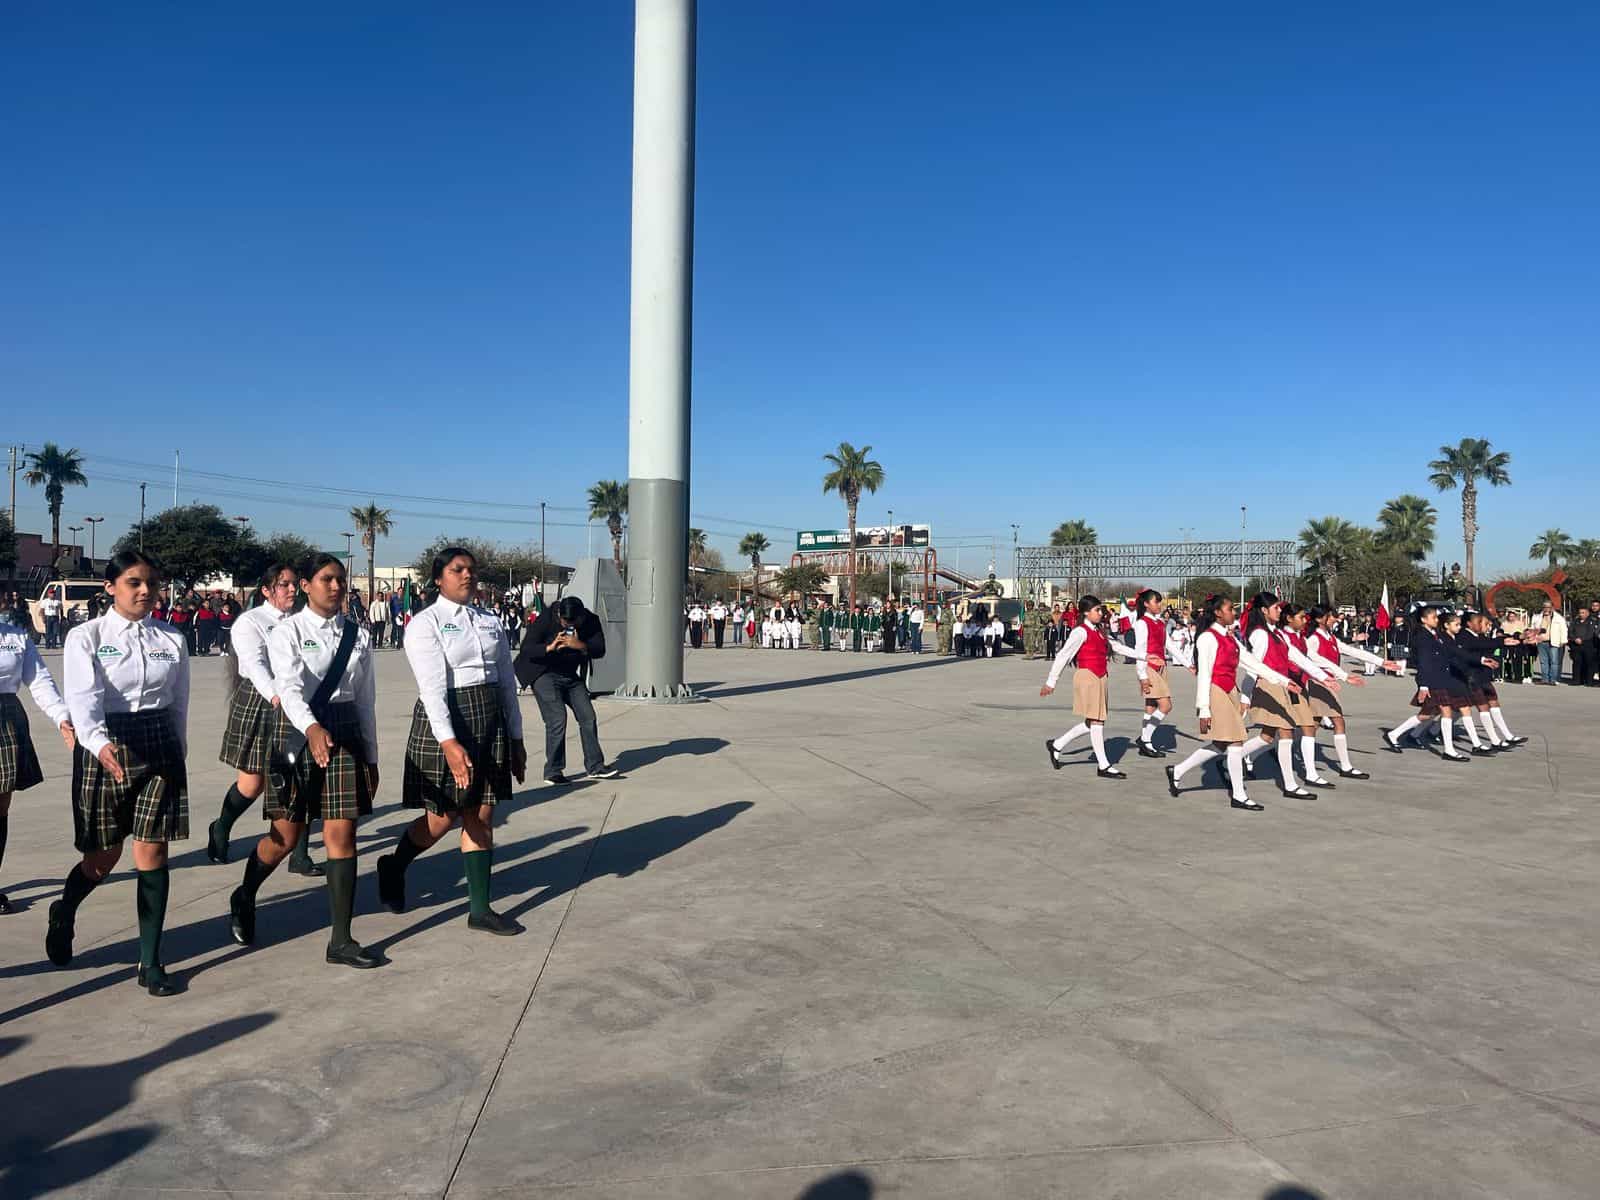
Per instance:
(1065,740)
(1448,734)
(1405,727)
(1148,733)
(1256,745)
(1203,755)
(1341,746)
(1097,739)
(1308,751)
(1236,771)
(1472,730)
(1286,762)
(1500,720)
(1488,726)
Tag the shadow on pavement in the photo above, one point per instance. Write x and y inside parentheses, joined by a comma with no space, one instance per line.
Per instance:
(784,685)
(645,756)
(846,1185)
(44,1112)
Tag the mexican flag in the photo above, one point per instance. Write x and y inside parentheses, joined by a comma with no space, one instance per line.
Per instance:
(1381,617)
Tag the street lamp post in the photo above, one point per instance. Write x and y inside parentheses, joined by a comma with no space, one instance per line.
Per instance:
(94,527)
(1242,512)
(75,530)
(349,553)
(541,552)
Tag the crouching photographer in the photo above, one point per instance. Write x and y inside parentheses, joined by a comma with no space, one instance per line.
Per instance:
(553,661)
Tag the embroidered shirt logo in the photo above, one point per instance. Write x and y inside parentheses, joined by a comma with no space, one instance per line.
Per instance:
(449,627)
(108,652)
(310,644)
(162,656)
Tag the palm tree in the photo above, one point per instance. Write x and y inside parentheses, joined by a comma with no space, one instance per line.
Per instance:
(1329,543)
(608,500)
(1406,525)
(1465,464)
(751,546)
(1553,544)
(1076,535)
(697,558)
(853,473)
(1586,550)
(57,470)
(373,522)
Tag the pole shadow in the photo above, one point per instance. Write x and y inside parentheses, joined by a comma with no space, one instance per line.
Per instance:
(784,685)
(45,1112)
(846,1185)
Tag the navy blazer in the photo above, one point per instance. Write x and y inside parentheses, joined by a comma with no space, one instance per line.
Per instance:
(1438,662)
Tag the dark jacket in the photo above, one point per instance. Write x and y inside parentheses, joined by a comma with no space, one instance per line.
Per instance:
(1437,662)
(534,660)
(1474,650)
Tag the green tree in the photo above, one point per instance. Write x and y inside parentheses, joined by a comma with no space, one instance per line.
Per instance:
(1463,466)
(55,470)
(499,565)
(1329,543)
(1406,524)
(802,580)
(1586,550)
(853,473)
(1554,545)
(608,500)
(1197,589)
(1362,578)
(8,540)
(251,556)
(881,584)
(372,523)
(752,546)
(1076,536)
(191,542)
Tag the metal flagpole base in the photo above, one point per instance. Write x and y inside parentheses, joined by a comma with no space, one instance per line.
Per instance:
(650,693)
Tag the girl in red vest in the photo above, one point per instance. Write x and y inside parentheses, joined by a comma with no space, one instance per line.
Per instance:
(1090,649)
(1218,661)
(1274,709)
(1291,627)
(1150,644)
(1328,650)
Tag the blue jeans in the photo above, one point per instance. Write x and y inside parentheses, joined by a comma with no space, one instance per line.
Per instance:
(916,639)
(1550,662)
(52,633)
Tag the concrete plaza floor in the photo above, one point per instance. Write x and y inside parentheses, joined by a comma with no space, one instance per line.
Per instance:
(842,932)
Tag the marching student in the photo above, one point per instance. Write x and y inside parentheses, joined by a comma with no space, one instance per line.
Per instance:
(1292,624)
(256,723)
(1218,658)
(1478,643)
(322,669)
(1150,665)
(1275,710)
(465,744)
(1325,704)
(127,689)
(21,666)
(1441,687)
(1090,650)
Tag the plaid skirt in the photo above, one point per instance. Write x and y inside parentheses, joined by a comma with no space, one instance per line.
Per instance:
(255,729)
(341,791)
(19,765)
(1429,707)
(151,804)
(480,727)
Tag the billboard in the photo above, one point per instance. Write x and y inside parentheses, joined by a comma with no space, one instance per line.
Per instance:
(868,537)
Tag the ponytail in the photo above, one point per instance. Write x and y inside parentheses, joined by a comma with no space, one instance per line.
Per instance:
(1208,614)
(1255,617)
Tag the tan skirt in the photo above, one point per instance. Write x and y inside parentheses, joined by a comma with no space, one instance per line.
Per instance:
(1089,695)
(1323,702)
(1227,716)
(1160,689)
(1270,707)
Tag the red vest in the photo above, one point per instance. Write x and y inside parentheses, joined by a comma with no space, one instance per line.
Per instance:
(1327,646)
(1277,655)
(1225,671)
(1155,630)
(1094,652)
(1299,643)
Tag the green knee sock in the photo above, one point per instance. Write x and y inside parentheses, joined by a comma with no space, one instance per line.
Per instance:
(151,904)
(233,807)
(341,876)
(477,863)
(302,848)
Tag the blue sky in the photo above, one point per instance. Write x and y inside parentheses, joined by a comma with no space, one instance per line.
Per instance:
(1135,264)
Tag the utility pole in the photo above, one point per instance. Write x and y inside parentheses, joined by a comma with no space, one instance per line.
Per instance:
(94,528)
(348,553)
(1242,511)
(174,479)
(13,487)
(1016,569)
(659,343)
(541,552)
(141,518)
(75,530)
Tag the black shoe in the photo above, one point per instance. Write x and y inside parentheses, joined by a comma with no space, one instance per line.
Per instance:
(1352,773)
(157,982)
(604,772)
(1111,773)
(216,848)
(58,935)
(1050,749)
(301,864)
(1172,780)
(5,903)
(1485,751)
(1455,757)
(493,922)
(1518,740)
(242,917)
(391,884)
(1325,784)
(1148,751)
(557,780)
(352,954)
(1389,744)
(1247,805)
(1297,793)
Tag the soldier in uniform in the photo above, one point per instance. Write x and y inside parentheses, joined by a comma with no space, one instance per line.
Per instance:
(858,628)
(825,626)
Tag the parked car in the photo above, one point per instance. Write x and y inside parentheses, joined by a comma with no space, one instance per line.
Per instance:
(80,593)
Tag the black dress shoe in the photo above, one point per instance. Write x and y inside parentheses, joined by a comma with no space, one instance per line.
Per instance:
(1485,751)
(1352,773)
(1298,793)
(353,954)
(1111,773)
(557,780)
(216,848)
(1247,805)
(1456,757)
(1050,749)
(302,865)
(1172,780)
(157,982)
(493,922)
(1389,744)
(58,935)
(391,884)
(1325,784)
(5,903)
(1518,740)
(1148,751)
(242,917)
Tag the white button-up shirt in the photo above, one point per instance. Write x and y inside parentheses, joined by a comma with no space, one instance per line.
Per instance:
(452,645)
(301,650)
(719,612)
(21,666)
(249,642)
(114,665)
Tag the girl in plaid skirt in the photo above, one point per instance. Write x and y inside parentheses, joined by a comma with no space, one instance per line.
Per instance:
(127,685)
(466,744)
(334,772)
(21,666)
(256,724)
